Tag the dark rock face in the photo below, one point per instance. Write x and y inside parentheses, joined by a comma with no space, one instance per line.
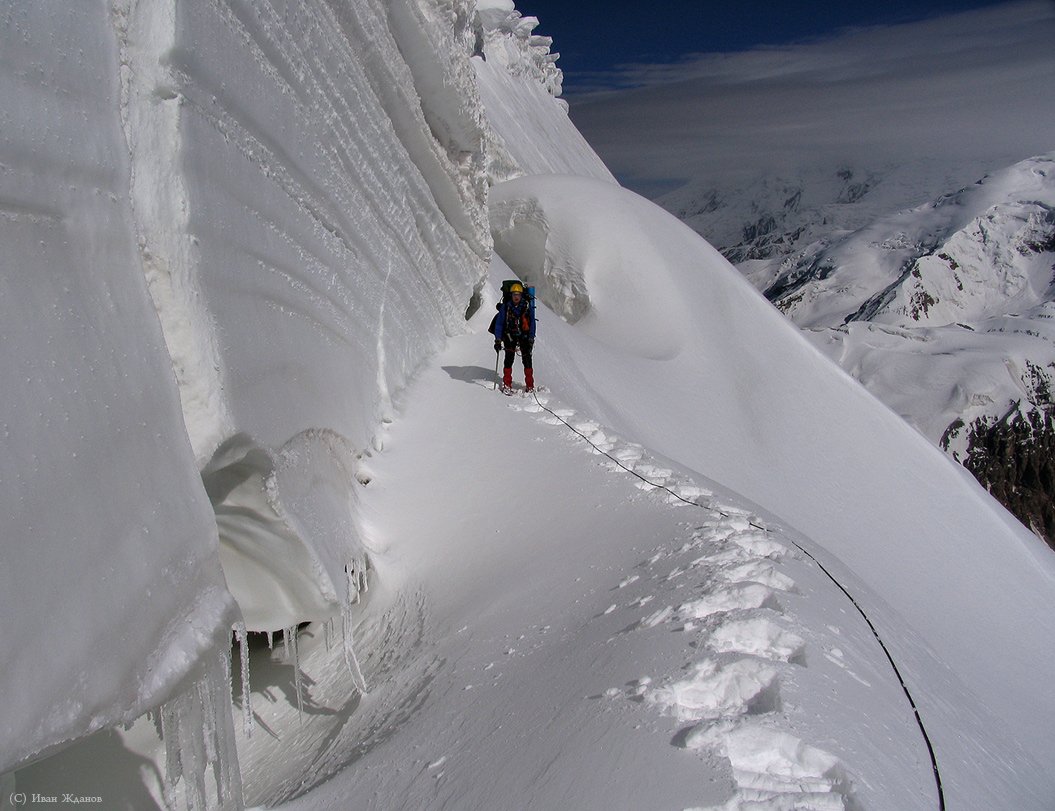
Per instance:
(1014,459)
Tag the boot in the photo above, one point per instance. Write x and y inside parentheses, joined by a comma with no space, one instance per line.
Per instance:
(529,379)
(507,379)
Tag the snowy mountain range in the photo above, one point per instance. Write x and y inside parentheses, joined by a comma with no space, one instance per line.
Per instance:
(891,191)
(253,448)
(940,310)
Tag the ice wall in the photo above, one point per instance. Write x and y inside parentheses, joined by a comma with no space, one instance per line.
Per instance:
(329,227)
(232,231)
(110,587)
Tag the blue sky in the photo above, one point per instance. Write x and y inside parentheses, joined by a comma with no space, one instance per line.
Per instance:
(594,37)
(959,94)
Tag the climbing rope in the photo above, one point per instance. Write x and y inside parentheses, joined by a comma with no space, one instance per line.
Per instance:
(842,588)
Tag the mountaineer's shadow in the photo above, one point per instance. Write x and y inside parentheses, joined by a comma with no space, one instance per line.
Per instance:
(476,375)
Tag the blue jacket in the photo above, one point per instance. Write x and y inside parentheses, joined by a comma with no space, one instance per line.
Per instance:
(512,312)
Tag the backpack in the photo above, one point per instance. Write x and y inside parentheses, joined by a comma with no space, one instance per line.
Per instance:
(529,293)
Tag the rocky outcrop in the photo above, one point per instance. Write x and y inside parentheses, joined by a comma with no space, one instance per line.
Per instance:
(1014,459)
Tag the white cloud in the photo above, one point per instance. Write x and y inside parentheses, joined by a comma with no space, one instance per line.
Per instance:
(973,86)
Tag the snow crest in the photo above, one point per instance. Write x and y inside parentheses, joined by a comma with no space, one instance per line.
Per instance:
(528,130)
(750,403)
(730,699)
(614,291)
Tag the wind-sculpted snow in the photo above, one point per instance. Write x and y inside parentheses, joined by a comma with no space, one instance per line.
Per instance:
(743,397)
(313,212)
(328,232)
(296,193)
(529,129)
(613,291)
(110,586)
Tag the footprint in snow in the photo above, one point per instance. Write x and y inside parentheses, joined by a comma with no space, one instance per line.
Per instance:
(775,770)
(759,572)
(740,596)
(759,544)
(713,691)
(758,636)
(628,580)
(772,769)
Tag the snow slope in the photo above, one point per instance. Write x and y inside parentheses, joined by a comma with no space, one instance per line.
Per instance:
(544,625)
(539,626)
(731,389)
(881,186)
(580,640)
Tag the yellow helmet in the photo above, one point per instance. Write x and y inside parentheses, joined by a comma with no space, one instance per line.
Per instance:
(516,287)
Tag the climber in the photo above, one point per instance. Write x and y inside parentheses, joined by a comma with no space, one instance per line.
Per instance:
(514,328)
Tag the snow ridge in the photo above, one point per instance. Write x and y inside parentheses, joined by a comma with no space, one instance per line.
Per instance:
(730,699)
(715,691)
(528,130)
(506,37)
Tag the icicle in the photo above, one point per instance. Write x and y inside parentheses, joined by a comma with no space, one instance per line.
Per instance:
(192,749)
(225,767)
(349,642)
(270,640)
(289,639)
(208,721)
(350,658)
(293,656)
(173,766)
(198,731)
(154,716)
(243,658)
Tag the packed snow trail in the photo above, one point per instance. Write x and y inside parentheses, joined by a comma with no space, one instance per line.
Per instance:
(695,502)
(586,642)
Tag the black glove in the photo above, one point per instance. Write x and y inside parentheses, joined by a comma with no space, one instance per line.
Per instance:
(498,346)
